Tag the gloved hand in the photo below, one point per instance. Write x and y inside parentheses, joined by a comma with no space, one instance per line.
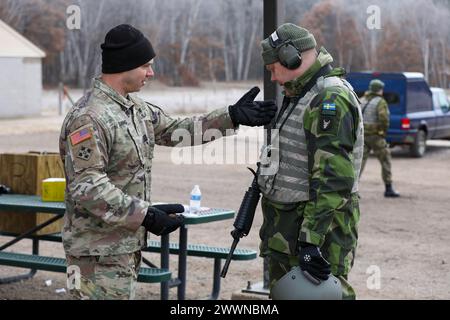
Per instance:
(162,219)
(311,260)
(252,113)
(170,208)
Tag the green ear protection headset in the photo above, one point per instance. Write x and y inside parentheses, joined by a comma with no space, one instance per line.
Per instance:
(288,54)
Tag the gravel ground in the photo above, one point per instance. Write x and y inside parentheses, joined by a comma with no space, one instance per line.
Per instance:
(405,241)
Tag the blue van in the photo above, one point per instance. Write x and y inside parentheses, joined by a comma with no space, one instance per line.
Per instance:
(418,112)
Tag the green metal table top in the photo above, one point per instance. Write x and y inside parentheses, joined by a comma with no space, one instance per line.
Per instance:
(209,215)
(20,202)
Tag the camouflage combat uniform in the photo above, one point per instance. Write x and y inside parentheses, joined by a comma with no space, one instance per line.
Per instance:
(376,123)
(313,196)
(106,145)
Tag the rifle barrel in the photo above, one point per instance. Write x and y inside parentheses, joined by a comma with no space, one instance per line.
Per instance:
(223,274)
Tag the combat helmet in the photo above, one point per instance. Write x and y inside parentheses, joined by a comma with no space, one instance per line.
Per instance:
(300,285)
(376,85)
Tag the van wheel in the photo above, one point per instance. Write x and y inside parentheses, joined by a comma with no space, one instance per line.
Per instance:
(417,150)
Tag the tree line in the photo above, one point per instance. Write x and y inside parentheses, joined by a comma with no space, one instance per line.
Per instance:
(218,40)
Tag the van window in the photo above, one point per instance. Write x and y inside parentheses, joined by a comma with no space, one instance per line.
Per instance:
(436,103)
(418,97)
(443,102)
(391,97)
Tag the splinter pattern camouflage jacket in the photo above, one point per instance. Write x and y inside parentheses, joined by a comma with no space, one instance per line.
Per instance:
(333,138)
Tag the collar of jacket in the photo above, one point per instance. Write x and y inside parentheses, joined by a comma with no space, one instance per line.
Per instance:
(113,94)
(295,86)
(370,95)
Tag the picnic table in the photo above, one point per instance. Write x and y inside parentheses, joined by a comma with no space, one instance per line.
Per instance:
(32,204)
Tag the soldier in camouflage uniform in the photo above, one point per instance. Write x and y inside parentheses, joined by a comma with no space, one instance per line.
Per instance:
(310,202)
(106,143)
(375,111)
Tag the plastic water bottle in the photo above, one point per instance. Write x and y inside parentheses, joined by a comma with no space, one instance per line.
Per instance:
(196,197)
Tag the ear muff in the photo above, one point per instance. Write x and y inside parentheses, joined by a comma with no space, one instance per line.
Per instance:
(288,54)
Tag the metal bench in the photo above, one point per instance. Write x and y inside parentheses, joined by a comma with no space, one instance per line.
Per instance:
(216,253)
(148,275)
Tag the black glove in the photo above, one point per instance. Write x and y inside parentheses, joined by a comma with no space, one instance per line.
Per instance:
(311,260)
(252,113)
(4,189)
(162,219)
(170,208)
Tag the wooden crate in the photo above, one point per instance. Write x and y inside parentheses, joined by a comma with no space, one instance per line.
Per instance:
(24,173)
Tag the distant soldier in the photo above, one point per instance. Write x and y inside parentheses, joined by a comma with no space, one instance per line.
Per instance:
(310,203)
(376,123)
(106,143)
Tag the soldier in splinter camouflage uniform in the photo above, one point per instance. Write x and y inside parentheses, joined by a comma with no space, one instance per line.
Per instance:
(310,202)
(106,144)
(375,111)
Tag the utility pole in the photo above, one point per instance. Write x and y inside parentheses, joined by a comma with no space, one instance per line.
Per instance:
(273,16)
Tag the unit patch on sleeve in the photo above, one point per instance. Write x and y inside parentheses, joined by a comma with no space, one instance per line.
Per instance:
(84,153)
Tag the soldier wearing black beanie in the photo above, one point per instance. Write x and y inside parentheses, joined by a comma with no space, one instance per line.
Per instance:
(125,48)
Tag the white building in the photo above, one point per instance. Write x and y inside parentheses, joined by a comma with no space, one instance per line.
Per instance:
(20,75)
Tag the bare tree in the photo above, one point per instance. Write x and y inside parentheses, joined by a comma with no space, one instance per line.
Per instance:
(84,43)
(423,28)
(192,14)
(254,13)
(219,39)
(13,12)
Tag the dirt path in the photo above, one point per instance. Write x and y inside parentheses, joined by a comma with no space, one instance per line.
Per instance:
(406,239)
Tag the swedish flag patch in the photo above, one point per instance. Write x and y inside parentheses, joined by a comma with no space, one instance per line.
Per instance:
(328,109)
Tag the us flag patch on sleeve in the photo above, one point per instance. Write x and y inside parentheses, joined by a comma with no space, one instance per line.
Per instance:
(80,136)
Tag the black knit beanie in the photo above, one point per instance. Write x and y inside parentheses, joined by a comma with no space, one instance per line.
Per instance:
(125,48)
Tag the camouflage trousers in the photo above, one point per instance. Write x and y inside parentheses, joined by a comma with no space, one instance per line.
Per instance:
(381,150)
(279,234)
(103,277)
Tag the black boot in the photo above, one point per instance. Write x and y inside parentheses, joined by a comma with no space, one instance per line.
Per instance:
(390,192)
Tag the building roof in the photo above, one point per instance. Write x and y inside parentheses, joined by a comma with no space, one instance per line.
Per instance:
(13,44)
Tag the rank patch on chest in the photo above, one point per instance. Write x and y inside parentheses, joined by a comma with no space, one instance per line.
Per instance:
(326,124)
(142,113)
(80,136)
(328,109)
(84,153)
